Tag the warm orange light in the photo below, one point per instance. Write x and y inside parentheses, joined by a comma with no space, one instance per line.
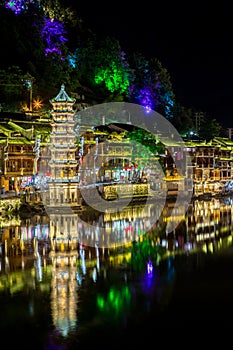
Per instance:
(37,103)
(25,108)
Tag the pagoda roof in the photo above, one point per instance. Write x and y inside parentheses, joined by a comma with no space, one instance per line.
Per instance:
(62,96)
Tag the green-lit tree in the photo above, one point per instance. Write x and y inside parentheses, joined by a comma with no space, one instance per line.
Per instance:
(104,69)
(147,146)
(90,65)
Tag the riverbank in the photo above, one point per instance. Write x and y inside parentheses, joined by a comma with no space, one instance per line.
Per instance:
(16,205)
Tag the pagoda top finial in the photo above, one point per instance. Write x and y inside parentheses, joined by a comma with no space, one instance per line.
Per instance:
(62,96)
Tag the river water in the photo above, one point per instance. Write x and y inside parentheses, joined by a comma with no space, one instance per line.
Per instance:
(116,296)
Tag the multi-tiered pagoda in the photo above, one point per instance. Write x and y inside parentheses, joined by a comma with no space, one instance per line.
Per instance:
(63,184)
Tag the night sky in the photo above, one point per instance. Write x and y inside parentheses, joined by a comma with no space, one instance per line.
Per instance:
(194,42)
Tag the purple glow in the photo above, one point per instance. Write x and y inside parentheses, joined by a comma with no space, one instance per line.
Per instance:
(146,99)
(149,268)
(148,279)
(147,109)
(53,35)
(16,6)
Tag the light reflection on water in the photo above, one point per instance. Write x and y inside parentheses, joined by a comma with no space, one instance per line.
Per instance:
(62,298)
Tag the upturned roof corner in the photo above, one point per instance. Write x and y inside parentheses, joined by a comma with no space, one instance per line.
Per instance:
(62,96)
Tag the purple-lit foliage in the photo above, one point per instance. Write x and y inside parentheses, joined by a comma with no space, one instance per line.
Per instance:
(144,89)
(147,98)
(151,86)
(53,34)
(17,6)
(99,64)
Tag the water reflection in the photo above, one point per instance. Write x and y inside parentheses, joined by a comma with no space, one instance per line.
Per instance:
(71,290)
(64,292)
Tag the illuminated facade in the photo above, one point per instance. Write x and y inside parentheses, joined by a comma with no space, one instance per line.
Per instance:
(20,149)
(109,159)
(211,166)
(22,143)
(103,155)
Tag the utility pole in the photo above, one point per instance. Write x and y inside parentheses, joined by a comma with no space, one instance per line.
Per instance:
(30,105)
(198,119)
(29,81)
(229,132)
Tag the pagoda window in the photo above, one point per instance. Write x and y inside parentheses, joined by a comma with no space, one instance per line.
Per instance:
(118,162)
(61,198)
(127,150)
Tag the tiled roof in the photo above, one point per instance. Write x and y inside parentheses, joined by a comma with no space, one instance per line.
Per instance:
(62,96)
